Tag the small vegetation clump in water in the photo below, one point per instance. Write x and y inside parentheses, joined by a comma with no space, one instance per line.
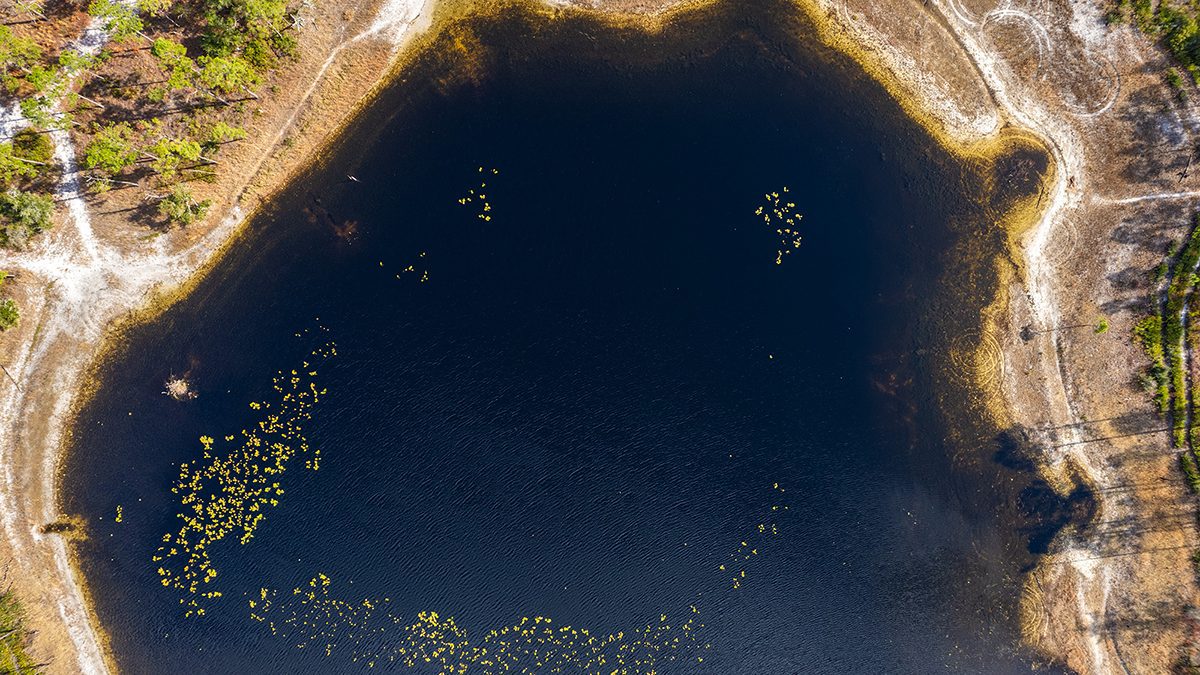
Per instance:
(227,494)
(780,214)
(179,389)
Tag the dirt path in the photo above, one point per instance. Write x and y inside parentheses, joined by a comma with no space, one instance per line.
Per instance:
(1113,596)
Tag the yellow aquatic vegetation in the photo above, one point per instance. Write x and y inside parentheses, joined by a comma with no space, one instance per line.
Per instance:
(367,630)
(749,549)
(780,215)
(120,514)
(421,272)
(477,197)
(223,494)
(313,618)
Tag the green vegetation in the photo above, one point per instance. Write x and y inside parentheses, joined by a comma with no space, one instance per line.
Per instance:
(1174,26)
(1148,332)
(1101,326)
(151,110)
(14,636)
(1167,338)
(17,55)
(112,149)
(9,315)
(33,147)
(119,20)
(181,207)
(22,215)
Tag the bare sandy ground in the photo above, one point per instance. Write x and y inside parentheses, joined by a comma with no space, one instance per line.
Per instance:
(1113,596)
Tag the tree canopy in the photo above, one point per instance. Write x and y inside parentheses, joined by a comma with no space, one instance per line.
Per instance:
(181,208)
(119,20)
(22,215)
(112,149)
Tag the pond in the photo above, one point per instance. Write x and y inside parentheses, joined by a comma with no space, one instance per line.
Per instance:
(582,349)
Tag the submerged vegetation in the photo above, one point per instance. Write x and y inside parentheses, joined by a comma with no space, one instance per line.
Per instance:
(1169,337)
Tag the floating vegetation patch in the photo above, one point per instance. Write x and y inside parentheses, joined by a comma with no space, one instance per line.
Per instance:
(224,494)
(417,269)
(477,197)
(780,214)
(371,634)
(314,618)
(753,545)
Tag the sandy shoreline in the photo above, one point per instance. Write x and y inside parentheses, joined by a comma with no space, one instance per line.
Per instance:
(942,60)
(1112,596)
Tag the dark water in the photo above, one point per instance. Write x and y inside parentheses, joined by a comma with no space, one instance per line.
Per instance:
(583,413)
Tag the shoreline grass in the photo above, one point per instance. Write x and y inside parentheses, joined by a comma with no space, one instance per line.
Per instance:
(14,636)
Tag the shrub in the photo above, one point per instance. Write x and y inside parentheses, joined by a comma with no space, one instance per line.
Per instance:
(1148,332)
(170,153)
(181,207)
(22,215)
(12,166)
(34,146)
(10,316)
(111,149)
(119,20)
(1190,472)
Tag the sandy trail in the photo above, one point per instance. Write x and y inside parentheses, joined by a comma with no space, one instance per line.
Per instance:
(1030,102)
(1093,578)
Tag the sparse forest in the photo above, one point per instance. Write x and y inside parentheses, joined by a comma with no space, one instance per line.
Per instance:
(146,92)
(134,95)
(1174,25)
(1169,336)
